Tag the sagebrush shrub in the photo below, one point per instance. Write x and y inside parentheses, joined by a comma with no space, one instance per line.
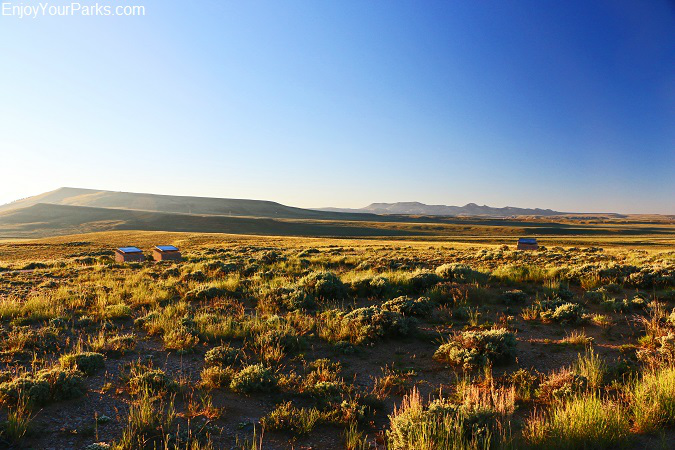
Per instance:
(197,276)
(170,272)
(45,386)
(409,306)
(422,280)
(154,381)
(561,384)
(376,322)
(459,273)
(595,296)
(471,349)
(87,362)
(514,296)
(254,378)
(564,313)
(221,355)
(206,293)
(324,286)
(524,382)
(372,287)
(624,305)
(650,277)
(291,298)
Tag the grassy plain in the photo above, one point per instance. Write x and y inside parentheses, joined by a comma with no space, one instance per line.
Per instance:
(444,339)
(43,220)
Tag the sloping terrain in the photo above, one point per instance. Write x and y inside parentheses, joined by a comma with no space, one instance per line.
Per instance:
(178,204)
(44,220)
(263,208)
(53,220)
(72,211)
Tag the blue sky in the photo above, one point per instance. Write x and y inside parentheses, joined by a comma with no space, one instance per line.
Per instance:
(568,105)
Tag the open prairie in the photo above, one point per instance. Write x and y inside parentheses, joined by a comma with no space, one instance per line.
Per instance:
(424,341)
(368,225)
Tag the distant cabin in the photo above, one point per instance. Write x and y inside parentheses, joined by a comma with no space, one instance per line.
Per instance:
(527,244)
(166,253)
(129,254)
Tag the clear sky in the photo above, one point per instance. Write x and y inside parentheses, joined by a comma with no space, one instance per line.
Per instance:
(568,105)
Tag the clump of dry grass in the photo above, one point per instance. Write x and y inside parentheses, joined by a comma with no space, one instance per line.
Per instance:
(653,399)
(577,338)
(441,424)
(592,367)
(582,421)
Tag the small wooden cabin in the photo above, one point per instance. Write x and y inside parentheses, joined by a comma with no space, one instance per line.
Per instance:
(129,254)
(166,253)
(527,244)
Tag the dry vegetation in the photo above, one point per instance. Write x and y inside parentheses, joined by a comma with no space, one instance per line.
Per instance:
(314,343)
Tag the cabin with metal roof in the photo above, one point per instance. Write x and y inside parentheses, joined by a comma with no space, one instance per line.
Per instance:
(527,244)
(166,253)
(129,254)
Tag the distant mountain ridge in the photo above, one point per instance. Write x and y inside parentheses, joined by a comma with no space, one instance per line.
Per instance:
(470,209)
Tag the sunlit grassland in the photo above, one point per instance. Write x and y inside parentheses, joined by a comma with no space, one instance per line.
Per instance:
(350,342)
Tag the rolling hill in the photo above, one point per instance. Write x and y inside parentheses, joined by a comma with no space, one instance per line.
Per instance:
(53,220)
(43,220)
(263,208)
(179,204)
(72,211)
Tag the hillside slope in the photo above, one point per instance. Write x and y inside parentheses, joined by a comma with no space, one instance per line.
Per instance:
(179,204)
(44,220)
(54,220)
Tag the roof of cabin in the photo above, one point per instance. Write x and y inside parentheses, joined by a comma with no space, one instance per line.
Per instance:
(166,248)
(527,241)
(129,250)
